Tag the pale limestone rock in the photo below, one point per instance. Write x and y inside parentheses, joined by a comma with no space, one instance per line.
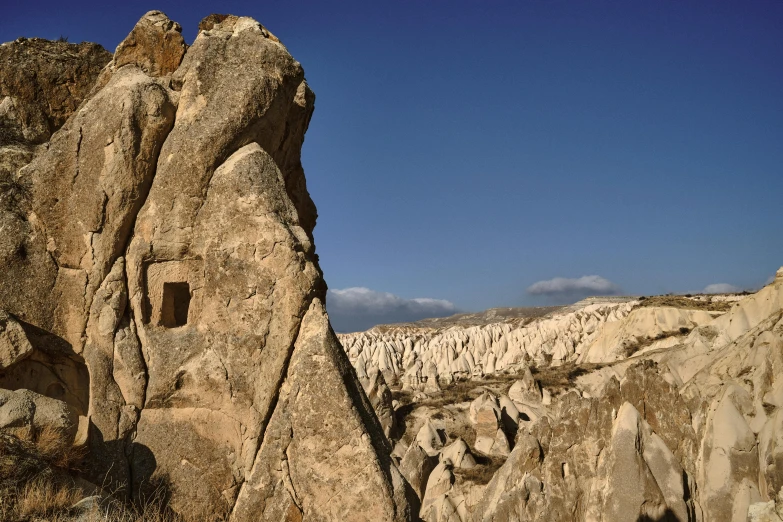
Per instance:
(513,493)
(626,488)
(430,439)
(525,390)
(730,456)
(23,408)
(381,399)
(416,466)
(462,352)
(647,327)
(438,485)
(486,415)
(763,512)
(458,453)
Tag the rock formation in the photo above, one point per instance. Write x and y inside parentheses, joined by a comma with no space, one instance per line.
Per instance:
(412,355)
(667,412)
(159,276)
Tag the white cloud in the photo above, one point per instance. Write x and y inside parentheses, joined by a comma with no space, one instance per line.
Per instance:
(721,288)
(585,285)
(358,308)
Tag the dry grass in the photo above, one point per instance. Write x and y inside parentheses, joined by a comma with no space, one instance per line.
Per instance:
(632,348)
(34,478)
(463,431)
(45,498)
(685,303)
(53,446)
(153,510)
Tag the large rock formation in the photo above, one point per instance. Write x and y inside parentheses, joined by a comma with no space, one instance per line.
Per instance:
(159,275)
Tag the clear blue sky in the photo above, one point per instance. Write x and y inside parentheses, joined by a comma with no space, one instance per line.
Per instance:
(464,151)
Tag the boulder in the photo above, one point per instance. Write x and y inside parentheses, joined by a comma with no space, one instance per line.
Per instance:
(416,466)
(458,453)
(486,415)
(24,408)
(430,438)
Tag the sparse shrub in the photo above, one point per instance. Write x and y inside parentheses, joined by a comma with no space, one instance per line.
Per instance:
(684,303)
(53,446)
(483,473)
(464,432)
(563,376)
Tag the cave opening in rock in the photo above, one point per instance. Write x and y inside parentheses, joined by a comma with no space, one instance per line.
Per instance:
(175,305)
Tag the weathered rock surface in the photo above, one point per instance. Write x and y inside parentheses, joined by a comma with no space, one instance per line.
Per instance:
(163,239)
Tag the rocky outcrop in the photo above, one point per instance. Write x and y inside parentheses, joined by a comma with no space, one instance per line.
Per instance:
(41,85)
(380,397)
(163,240)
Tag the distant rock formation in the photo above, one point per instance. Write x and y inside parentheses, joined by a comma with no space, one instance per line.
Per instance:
(409,355)
(158,275)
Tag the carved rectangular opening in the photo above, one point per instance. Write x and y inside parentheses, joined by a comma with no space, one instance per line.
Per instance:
(175,305)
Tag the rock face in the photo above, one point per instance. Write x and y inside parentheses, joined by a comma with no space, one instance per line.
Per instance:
(163,240)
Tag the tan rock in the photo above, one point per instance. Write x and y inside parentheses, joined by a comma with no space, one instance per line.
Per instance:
(430,438)
(458,453)
(24,408)
(155,45)
(416,466)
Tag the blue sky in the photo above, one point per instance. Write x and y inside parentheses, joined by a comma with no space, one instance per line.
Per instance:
(462,152)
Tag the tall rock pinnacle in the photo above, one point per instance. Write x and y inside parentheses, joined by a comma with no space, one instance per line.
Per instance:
(162,253)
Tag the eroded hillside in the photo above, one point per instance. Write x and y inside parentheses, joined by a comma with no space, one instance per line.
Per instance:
(664,408)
